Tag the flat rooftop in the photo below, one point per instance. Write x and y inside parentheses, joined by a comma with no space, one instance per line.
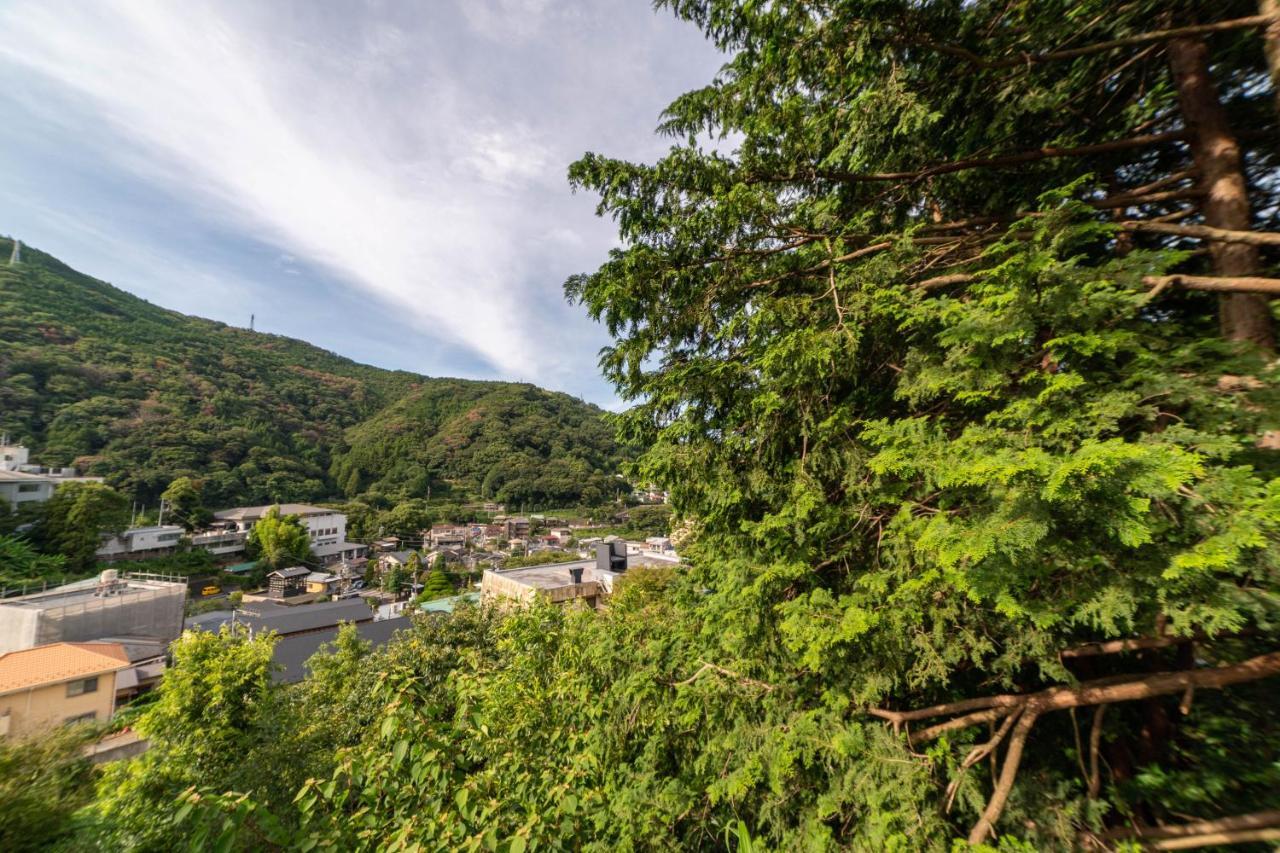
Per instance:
(87,592)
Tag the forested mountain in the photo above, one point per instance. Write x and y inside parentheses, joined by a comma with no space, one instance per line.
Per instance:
(95,377)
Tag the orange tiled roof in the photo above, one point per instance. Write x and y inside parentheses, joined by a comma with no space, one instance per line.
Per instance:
(58,662)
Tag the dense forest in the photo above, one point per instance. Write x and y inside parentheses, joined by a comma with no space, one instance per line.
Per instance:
(960,370)
(94,377)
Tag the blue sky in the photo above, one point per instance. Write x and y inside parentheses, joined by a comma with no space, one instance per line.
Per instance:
(384,179)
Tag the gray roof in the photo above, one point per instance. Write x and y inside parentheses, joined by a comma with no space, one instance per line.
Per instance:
(399,556)
(292,653)
(210,621)
(304,617)
(292,572)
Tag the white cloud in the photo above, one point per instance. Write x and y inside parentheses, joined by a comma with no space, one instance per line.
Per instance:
(414,152)
(213,116)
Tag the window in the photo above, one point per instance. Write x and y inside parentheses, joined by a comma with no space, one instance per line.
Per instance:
(81,718)
(29,487)
(81,686)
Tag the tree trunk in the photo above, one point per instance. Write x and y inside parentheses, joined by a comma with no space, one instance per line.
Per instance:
(1243,316)
(1271,44)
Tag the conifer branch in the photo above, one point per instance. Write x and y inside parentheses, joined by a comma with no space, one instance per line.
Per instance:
(1103,46)
(1016,159)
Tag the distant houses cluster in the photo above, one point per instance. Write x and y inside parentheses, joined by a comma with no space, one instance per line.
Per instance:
(76,652)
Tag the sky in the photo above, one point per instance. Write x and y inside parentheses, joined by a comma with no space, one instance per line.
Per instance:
(384,179)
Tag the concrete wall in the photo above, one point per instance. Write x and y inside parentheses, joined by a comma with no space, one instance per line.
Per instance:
(146,613)
(18,628)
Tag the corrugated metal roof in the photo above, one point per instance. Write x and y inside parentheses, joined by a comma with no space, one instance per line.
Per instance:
(306,617)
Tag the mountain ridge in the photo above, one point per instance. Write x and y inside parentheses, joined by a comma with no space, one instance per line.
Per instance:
(94,376)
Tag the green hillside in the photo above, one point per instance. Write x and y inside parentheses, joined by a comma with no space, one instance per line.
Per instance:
(95,377)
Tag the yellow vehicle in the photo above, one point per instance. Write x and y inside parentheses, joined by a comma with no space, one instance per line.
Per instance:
(211,590)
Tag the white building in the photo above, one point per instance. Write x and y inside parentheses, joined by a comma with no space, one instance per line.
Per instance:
(137,541)
(23,482)
(325,526)
(19,487)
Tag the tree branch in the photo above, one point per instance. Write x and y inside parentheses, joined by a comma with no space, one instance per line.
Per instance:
(1205,232)
(1221,284)
(1252,820)
(1009,773)
(1048,152)
(1102,46)
(728,673)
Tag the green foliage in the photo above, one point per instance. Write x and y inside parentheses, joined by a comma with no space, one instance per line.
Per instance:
(42,784)
(76,517)
(21,565)
(92,376)
(279,541)
(215,723)
(185,503)
(436,585)
(394,577)
(539,558)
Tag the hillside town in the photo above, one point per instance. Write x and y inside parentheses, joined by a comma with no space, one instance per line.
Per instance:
(83,651)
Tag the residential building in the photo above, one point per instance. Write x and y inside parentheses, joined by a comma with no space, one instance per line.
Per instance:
(659,545)
(339,552)
(517,528)
(220,539)
(560,535)
(325,526)
(18,487)
(588,581)
(447,538)
(323,583)
(50,685)
(112,605)
(393,559)
(283,583)
(139,542)
(22,482)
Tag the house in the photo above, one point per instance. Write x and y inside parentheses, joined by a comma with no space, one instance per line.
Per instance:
(448,538)
(323,583)
(138,542)
(111,605)
(560,535)
(50,685)
(18,487)
(22,482)
(283,583)
(324,526)
(394,559)
(659,544)
(219,539)
(339,552)
(517,528)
